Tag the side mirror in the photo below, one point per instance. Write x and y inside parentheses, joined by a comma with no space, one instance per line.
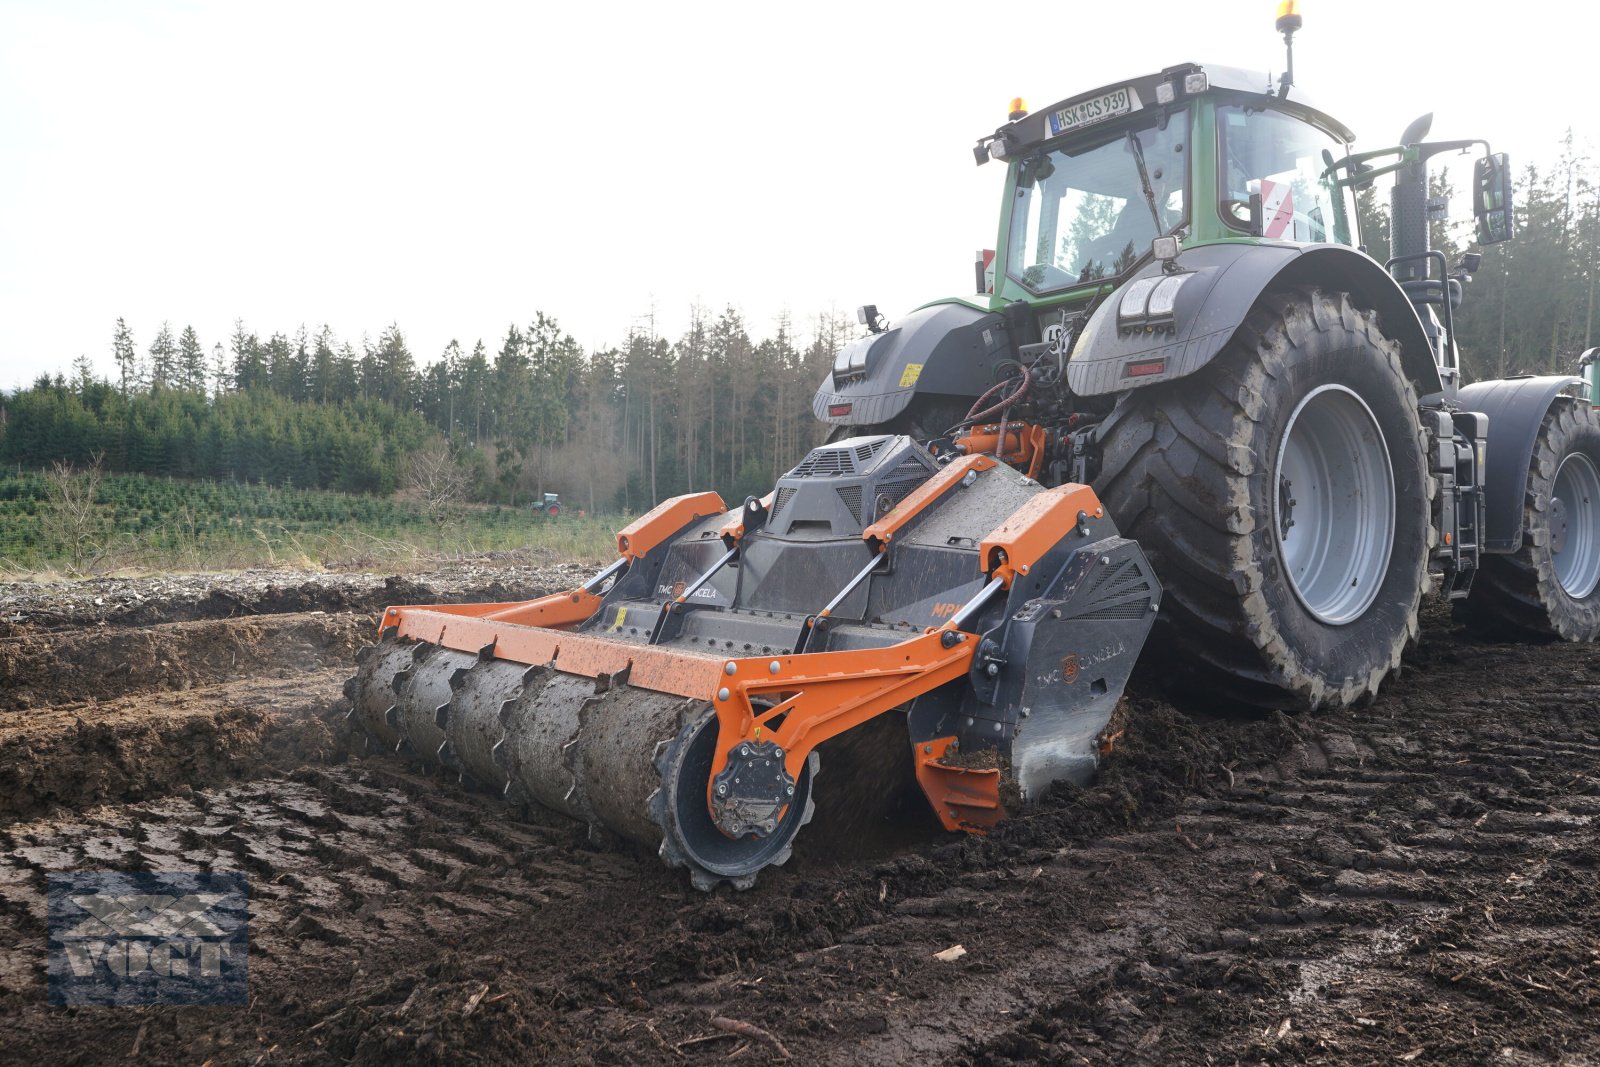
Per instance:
(1491,199)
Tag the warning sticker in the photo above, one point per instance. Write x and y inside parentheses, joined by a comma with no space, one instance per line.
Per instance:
(1277,208)
(910,375)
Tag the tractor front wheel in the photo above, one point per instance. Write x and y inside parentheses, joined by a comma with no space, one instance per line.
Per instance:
(1551,588)
(1282,495)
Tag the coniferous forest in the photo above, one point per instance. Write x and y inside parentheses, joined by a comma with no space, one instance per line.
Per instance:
(620,428)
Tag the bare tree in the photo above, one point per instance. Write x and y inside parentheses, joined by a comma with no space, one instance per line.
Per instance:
(440,481)
(72,522)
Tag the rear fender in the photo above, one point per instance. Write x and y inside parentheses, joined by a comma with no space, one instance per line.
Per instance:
(1162,335)
(1516,408)
(948,349)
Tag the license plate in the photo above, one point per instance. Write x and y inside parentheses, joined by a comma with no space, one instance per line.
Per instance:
(1087,112)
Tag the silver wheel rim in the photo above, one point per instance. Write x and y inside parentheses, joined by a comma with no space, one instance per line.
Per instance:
(1575,543)
(1334,504)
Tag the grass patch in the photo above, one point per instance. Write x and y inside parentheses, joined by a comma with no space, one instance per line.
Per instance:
(158,524)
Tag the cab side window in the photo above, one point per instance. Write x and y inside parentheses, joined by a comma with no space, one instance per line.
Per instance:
(1281,157)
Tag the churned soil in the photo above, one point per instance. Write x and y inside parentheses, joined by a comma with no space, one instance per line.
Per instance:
(1412,881)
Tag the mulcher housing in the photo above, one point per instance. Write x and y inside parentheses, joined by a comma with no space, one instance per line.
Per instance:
(679,700)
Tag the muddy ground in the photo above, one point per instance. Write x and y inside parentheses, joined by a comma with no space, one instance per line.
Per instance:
(1415,881)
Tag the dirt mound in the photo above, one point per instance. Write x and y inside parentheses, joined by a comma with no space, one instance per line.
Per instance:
(146,746)
(51,669)
(28,607)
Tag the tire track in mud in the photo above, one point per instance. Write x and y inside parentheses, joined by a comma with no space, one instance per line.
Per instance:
(1412,881)
(1416,874)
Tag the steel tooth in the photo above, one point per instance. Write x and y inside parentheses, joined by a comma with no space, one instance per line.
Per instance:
(350,687)
(375,693)
(543,721)
(499,755)
(425,699)
(460,676)
(475,721)
(364,653)
(392,716)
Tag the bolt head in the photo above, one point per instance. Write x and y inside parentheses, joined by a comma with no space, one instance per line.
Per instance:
(969,478)
(789,791)
(744,750)
(778,752)
(992,669)
(774,667)
(722,694)
(1105,560)
(722,789)
(730,667)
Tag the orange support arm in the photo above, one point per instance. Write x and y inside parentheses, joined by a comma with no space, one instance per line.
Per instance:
(1035,528)
(924,495)
(662,522)
(820,695)
(655,527)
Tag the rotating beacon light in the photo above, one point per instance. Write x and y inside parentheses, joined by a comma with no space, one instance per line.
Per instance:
(1289,21)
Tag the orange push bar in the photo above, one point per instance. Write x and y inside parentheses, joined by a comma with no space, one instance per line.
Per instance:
(924,495)
(662,522)
(1035,528)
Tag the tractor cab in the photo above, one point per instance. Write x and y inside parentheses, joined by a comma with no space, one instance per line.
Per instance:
(1204,154)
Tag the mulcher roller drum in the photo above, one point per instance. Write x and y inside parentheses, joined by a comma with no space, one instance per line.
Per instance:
(678,700)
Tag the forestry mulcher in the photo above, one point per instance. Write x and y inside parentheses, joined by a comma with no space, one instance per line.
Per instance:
(1185,397)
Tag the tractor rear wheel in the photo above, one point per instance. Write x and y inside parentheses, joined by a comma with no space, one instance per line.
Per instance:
(1283,497)
(1551,588)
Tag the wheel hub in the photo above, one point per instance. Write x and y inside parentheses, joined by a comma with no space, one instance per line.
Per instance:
(1558,525)
(751,790)
(1335,505)
(1574,524)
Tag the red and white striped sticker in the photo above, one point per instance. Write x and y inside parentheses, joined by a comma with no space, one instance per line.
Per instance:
(1277,207)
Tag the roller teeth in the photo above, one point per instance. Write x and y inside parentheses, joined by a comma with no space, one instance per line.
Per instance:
(598,750)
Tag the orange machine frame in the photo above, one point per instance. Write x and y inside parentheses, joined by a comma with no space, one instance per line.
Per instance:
(797,701)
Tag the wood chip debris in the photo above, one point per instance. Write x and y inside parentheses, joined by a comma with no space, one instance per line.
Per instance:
(951,954)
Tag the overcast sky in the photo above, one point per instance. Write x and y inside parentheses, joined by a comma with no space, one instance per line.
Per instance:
(455,168)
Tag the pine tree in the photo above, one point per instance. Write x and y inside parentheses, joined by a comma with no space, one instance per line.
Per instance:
(126,355)
(191,362)
(163,359)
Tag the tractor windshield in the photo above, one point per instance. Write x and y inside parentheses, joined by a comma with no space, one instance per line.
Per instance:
(1281,157)
(1081,210)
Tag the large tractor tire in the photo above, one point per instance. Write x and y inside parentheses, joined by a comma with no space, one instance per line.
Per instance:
(1283,497)
(1551,588)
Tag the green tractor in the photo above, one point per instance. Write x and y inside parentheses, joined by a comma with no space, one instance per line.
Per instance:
(548,505)
(1182,315)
